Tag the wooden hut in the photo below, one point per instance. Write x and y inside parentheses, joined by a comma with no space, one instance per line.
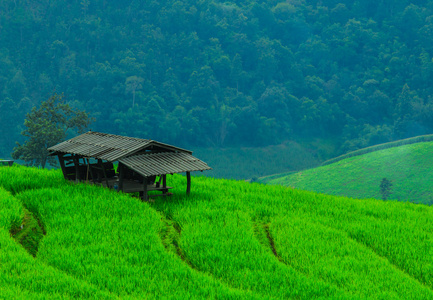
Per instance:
(143,164)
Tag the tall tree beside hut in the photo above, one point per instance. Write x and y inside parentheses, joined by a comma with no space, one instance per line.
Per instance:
(47,126)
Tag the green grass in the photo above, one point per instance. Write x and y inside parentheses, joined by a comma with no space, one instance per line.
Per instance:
(30,233)
(408,141)
(227,240)
(409,167)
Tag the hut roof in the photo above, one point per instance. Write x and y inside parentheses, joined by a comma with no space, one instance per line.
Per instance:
(164,163)
(109,147)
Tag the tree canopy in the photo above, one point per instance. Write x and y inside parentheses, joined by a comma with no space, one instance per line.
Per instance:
(218,73)
(47,126)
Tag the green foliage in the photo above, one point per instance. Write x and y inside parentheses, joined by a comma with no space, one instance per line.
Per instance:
(29,234)
(408,141)
(11,212)
(345,256)
(228,239)
(358,176)
(17,178)
(133,83)
(46,127)
(24,277)
(385,188)
(224,74)
(125,237)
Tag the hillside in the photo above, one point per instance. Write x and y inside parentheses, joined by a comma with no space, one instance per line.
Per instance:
(229,239)
(223,73)
(409,167)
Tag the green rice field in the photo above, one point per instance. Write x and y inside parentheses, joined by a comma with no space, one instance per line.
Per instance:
(227,240)
(408,167)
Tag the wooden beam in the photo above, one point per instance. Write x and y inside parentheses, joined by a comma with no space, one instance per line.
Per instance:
(188,183)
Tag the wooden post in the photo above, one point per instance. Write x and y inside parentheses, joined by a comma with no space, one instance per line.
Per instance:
(88,169)
(77,168)
(93,173)
(145,189)
(188,183)
(121,170)
(101,165)
(62,164)
(164,183)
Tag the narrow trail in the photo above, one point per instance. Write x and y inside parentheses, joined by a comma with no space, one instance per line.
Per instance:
(271,242)
(30,233)
(263,232)
(170,238)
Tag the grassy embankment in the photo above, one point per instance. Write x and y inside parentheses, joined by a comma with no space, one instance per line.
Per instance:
(228,239)
(407,163)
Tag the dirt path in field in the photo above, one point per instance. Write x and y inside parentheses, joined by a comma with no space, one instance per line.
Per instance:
(173,243)
(263,232)
(271,242)
(170,238)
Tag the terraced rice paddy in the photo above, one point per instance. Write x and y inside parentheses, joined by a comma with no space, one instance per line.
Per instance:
(228,240)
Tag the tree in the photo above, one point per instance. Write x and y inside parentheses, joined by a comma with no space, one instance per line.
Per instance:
(47,126)
(133,83)
(385,188)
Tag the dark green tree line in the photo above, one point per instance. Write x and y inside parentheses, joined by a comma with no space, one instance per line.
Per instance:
(215,73)
(47,126)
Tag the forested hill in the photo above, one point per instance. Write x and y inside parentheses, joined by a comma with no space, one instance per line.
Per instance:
(218,73)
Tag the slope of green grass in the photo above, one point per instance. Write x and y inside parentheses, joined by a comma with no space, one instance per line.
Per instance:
(409,167)
(408,141)
(22,276)
(227,240)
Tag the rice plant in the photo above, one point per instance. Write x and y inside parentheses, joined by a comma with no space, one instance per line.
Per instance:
(227,240)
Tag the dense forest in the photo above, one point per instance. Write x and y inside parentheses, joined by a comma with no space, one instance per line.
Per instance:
(223,74)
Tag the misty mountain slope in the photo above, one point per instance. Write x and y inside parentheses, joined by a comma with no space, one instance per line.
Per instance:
(408,167)
(223,73)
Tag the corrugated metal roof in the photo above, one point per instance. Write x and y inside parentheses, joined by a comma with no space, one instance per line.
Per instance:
(164,163)
(105,146)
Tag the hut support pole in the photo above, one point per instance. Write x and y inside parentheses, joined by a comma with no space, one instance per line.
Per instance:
(77,168)
(101,165)
(88,170)
(144,195)
(164,183)
(121,169)
(188,183)
(62,164)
